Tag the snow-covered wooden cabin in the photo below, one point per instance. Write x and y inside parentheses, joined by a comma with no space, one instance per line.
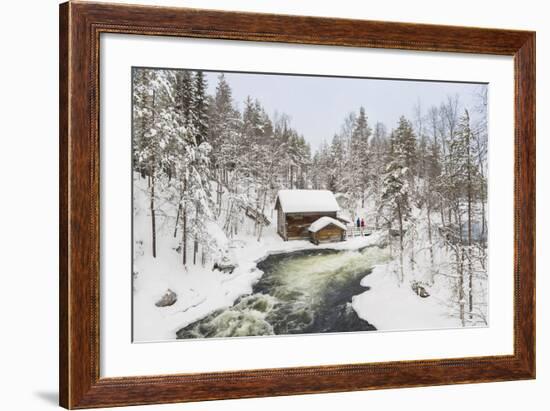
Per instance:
(309,214)
(327,229)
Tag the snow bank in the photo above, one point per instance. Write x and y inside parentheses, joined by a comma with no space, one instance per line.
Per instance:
(391,306)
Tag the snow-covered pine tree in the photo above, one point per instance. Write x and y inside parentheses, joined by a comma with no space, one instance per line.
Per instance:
(432,199)
(266,169)
(184,161)
(360,156)
(183,135)
(338,160)
(379,147)
(471,182)
(322,172)
(200,108)
(236,152)
(223,129)
(448,113)
(141,115)
(406,139)
(423,194)
(315,175)
(480,135)
(349,171)
(460,184)
(302,156)
(151,131)
(182,83)
(284,134)
(396,192)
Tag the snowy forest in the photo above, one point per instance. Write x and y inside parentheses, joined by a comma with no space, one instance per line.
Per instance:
(207,170)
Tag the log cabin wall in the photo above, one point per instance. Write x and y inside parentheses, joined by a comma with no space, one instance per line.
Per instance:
(297,224)
(281,223)
(329,233)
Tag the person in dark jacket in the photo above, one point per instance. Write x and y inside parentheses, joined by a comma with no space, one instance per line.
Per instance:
(358,222)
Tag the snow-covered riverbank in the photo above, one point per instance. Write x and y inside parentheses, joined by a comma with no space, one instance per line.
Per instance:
(201,291)
(393,307)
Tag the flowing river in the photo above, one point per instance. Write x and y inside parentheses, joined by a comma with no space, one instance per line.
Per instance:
(300,292)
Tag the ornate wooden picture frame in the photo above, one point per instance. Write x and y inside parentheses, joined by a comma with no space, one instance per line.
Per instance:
(81,25)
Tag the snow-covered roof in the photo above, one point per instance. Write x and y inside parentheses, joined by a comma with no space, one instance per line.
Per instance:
(323,222)
(307,201)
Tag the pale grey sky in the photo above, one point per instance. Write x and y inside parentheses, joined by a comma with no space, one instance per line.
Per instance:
(317,106)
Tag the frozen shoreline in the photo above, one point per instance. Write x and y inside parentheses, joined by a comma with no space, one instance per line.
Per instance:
(393,307)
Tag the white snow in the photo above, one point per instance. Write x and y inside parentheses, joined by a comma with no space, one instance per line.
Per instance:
(344,218)
(200,290)
(390,306)
(307,201)
(323,222)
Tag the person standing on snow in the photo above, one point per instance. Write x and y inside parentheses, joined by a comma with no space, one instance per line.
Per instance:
(362,226)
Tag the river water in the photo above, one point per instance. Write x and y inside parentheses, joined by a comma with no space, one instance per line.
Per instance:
(300,292)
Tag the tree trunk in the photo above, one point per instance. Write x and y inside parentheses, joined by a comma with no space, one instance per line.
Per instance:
(390,241)
(257,222)
(152,189)
(261,215)
(177,220)
(470,270)
(228,218)
(460,272)
(195,250)
(196,242)
(460,264)
(482,194)
(219,194)
(153,222)
(483,221)
(401,247)
(430,240)
(184,230)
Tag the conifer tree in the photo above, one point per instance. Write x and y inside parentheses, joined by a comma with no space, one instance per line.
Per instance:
(396,190)
(200,108)
(360,156)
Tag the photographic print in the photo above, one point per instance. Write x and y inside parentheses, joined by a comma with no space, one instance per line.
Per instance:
(277,204)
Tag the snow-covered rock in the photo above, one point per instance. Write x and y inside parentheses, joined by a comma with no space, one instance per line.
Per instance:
(168,299)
